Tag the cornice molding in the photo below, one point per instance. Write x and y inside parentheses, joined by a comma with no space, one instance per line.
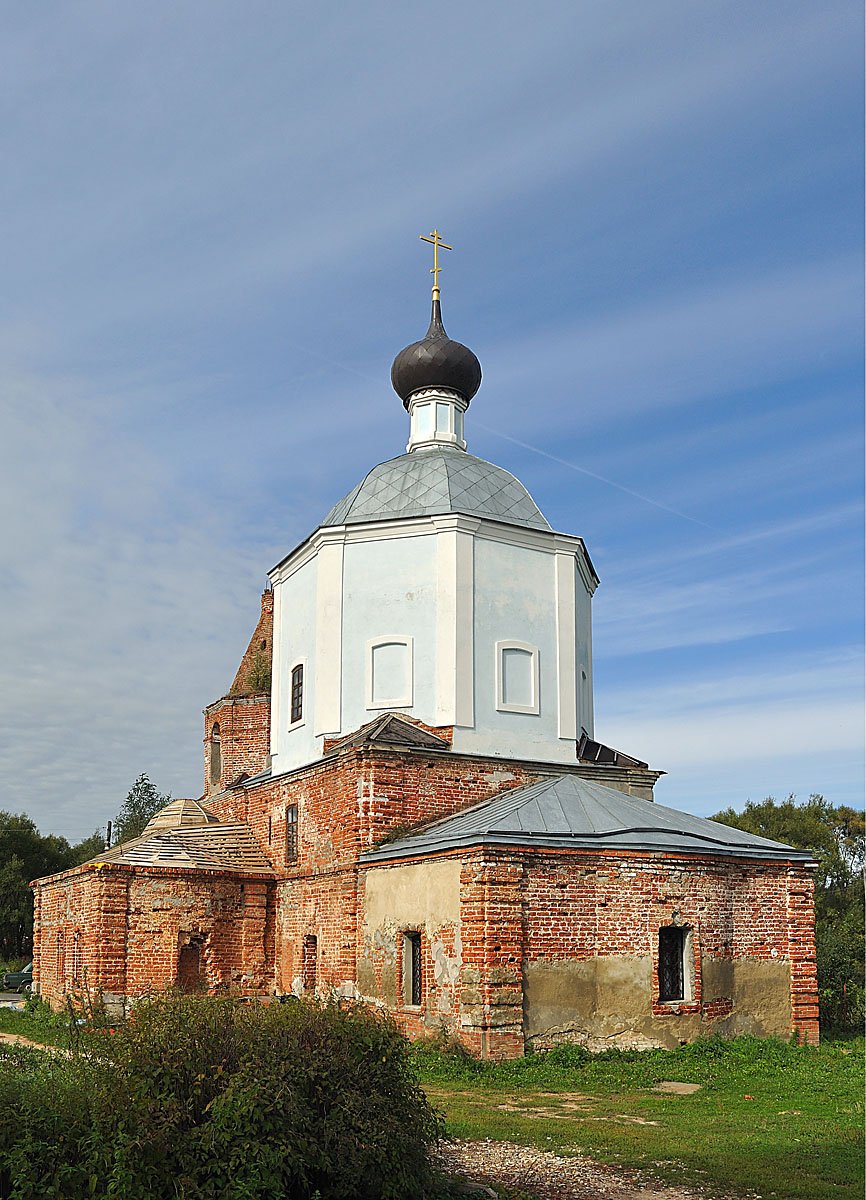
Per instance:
(543,540)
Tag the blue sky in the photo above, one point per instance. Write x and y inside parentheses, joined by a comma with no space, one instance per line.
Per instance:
(211,215)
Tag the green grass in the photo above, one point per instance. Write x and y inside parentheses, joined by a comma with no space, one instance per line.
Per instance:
(38,1023)
(771,1118)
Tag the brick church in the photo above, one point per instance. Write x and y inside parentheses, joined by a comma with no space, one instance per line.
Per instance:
(405,802)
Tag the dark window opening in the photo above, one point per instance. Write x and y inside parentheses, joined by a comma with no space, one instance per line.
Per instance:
(263,645)
(189,973)
(270,830)
(412,975)
(292,833)
(309,965)
(76,957)
(672,956)
(216,764)
(297,709)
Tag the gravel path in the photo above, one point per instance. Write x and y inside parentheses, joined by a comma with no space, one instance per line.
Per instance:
(552,1177)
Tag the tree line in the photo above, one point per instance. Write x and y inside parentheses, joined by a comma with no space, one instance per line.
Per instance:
(26,854)
(836,835)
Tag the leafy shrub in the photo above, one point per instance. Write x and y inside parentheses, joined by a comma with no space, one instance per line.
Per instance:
(204,1098)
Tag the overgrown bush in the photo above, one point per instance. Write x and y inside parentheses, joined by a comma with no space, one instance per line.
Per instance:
(205,1098)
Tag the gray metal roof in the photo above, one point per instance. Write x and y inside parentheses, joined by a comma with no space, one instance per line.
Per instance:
(435,481)
(570,812)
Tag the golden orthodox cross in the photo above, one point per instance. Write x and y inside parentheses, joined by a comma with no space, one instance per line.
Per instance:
(435,240)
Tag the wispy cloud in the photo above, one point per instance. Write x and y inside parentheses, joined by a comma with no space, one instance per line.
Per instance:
(724,737)
(211,256)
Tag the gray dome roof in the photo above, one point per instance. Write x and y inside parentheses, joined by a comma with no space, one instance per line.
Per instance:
(431,482)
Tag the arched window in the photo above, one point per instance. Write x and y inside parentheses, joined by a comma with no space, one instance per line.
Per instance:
(292,833)
(674,970)
(390,672)
(216,761)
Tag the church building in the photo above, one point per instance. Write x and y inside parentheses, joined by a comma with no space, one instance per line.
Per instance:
(405,802)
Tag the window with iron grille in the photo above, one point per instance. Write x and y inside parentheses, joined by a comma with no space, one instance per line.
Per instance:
(413,990)
(672,961)
(309,965)
(292,833)
(297,705)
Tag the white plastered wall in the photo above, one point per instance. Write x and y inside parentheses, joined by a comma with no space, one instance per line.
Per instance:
(449,589)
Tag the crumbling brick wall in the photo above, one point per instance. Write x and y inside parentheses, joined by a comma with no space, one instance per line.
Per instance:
(118,931)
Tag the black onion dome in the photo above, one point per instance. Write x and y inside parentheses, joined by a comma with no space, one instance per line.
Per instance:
(436,361)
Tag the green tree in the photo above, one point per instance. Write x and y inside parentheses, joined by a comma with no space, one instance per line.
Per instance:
(142,803)
(88,847)
(24,855)
(836,835)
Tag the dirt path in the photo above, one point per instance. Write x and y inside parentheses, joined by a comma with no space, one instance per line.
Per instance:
(552,1177)
(15,1039)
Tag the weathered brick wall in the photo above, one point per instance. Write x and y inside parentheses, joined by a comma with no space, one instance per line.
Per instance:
(245,732)
(118,931)
(492,930)
(548,946)
(564,947)
(348,802)
(751,951)
(323,908)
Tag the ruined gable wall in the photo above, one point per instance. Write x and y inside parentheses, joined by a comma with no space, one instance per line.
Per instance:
(228,915)
(260,648)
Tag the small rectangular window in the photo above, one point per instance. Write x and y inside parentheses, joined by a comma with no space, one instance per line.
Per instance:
(297,705)
(413,990)
(672,955)
(292,833)
(310,962)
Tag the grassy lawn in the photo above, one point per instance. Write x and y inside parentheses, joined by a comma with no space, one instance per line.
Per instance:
(770,1118)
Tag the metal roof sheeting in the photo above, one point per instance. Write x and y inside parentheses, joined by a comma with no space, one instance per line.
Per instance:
(568,812)
(433,482)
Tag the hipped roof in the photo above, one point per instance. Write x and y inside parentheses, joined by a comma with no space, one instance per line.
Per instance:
(568,812)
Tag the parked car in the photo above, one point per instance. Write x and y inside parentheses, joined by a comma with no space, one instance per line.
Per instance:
(19,981)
